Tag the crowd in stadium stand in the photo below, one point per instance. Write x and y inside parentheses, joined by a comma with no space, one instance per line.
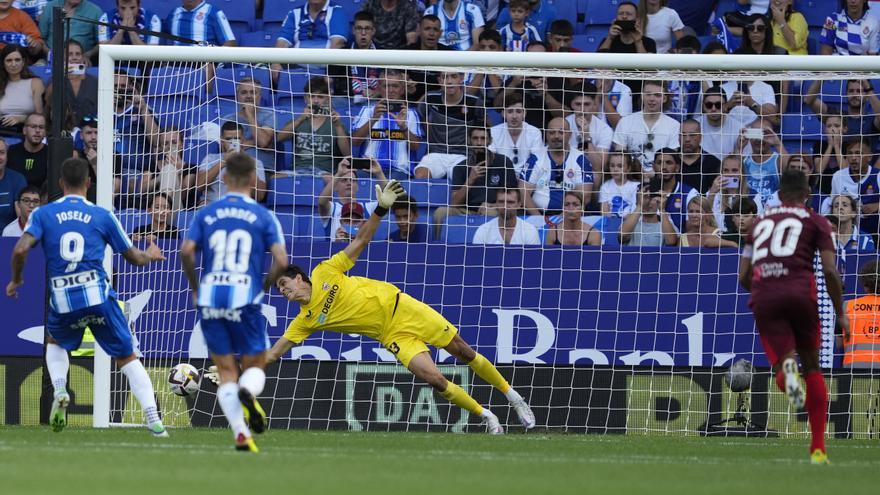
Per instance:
(536,159)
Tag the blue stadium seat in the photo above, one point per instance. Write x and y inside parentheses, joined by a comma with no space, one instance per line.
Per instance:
(587,43)
(299,190)
(258,38)
(274,11)
(569,10)
(44,72)
(610,227)
(292,82)
(237,11)
(833,92)
(461,229)
(725,6)
(432,192)
(132,218)
(106,5)
(815,11)
(600,12)
(163,9)
(177,81)
(801,127)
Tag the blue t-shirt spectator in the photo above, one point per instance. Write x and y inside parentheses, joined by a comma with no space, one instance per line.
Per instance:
(540,17)
(328,29)
(145,20)
(11,183)
(205,23)
(419,234)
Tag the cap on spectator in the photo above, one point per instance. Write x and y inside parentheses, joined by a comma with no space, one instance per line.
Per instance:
(352,209)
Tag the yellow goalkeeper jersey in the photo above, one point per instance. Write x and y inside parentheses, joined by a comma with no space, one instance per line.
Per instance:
(343,304)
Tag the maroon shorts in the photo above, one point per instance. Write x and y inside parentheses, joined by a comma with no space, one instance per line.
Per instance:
(786,324)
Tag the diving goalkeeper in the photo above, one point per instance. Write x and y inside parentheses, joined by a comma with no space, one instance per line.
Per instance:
(331,300)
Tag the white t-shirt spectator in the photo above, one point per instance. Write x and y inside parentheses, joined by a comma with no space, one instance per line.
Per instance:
(601,134)
(620,198)
(634,135)
(530,142)
(524,233)
(720,141)
(661,26)
(13,229)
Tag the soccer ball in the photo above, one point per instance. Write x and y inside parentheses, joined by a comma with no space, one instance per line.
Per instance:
(184,379)
(739,376)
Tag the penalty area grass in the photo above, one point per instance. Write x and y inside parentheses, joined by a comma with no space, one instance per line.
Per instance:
(35,460)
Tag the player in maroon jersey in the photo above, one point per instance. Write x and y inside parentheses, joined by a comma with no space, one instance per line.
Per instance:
(777,268)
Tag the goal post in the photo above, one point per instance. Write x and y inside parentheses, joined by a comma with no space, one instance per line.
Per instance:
(602,339)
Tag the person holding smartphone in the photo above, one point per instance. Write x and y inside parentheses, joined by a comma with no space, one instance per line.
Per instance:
(626,34)
(209,177)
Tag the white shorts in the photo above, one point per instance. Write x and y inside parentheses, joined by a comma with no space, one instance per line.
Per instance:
(440,164)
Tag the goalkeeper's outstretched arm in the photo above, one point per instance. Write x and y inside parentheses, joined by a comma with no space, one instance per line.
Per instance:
(281,347)
(386,197)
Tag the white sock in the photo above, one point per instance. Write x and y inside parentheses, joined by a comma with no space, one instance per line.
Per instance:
(58,364)
(253,380)
(486,413)
(227,396)
(142,388)
(512,395)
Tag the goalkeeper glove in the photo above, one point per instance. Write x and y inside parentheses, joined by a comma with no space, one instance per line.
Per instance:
(213,375)
(387,196)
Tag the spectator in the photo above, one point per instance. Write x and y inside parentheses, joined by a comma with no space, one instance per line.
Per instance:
(715,48)
(351,218)
(515,138)
(847,236)
(129,13)
(764,163)
(757,96)
(21,93)
(135,126)
(627,33)
(851,31)
(320,139)
(11,183)
(661,23)
(200,21)
(406,216)
(359,82)
(676,194)
(700,228)
(484,85)
(542,97)
(170,174)
(755,40)
(429,39)
(572,230)
(859,180)
(617,195)
(642,227)
(542,13)
(803,163)
(790,30)
(642,133)
(698,168)
(547,176)
(449,113)
(258,123)
(396,21)
(161,210)
(30,157)
(209,177)
(430,32)
(507,227)
(862,110)
(81,88)
(829,153)
(460,23)
(737,19)
(17,28)
(345,186)
(27,201)
(33,8)
(560,37)
(738,220)
(516,36)
(617,100)
(728,188)
(389,128)
(86,147)
(721,123)
(589,132)
(79,30)
(477,181)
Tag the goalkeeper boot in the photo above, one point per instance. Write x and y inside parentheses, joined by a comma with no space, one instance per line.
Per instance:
(158,430)
(253,413)
(58,416)
(526,416)
(493,425)
(819,458)
(245,443)
(793,389)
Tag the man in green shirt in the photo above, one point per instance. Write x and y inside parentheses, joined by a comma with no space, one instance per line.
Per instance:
(81,31)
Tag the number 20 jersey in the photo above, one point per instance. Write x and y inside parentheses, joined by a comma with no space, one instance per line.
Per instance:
(782,245)
(74,234)
(234,233)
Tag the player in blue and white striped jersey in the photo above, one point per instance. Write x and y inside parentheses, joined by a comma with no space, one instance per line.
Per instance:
(200,21)
(74,235)
(129,13)
(461,23)
(235,232)
(851,31)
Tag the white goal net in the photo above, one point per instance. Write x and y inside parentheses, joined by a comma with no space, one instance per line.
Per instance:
(577,216)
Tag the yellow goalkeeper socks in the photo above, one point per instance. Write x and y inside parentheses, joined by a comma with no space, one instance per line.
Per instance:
(460,398)
(488,372)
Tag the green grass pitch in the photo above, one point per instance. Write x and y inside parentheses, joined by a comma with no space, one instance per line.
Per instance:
(202,461)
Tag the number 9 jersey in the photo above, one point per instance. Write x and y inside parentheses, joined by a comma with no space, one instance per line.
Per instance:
(74,234)
(234,233)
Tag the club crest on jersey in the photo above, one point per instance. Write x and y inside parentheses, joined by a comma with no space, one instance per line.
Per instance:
(677,203)
(200,16)
(325,287)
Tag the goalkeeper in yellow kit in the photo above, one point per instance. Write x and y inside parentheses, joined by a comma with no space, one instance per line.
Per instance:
(331,300)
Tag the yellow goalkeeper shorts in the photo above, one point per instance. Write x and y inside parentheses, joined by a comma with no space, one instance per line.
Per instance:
(413,327)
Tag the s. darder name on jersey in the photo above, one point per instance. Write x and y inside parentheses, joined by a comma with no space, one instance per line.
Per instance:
(237,213)
(79,216)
